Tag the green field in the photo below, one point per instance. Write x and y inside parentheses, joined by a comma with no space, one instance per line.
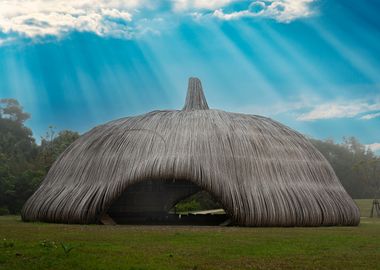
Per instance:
(42,246)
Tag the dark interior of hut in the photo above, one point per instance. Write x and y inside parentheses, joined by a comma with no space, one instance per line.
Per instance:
(166,202)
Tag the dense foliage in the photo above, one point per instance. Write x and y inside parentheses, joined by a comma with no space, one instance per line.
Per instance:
(357,167)
(24,163)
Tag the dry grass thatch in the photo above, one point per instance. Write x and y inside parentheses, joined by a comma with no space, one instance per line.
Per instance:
(262,172)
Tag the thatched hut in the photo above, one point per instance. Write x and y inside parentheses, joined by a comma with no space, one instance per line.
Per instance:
(262,172)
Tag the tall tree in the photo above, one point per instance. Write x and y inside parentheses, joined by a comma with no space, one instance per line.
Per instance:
(356,166)
(23,164)
(11,109)
(53,144)
(18,151)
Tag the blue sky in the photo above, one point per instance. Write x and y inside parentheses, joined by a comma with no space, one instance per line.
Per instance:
(313,65)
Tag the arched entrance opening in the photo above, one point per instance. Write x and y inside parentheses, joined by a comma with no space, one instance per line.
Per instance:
(167,202)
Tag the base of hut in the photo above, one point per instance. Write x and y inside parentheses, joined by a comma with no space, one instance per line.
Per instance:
(172,219)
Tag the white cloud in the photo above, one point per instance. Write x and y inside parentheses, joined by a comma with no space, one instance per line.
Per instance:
(370,116)
(181,5)
(280,10)
(127,18)
(36,18)
(278,107)
(339,110)
(375,147)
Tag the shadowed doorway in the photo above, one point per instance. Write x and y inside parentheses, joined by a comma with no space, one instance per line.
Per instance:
(159,202)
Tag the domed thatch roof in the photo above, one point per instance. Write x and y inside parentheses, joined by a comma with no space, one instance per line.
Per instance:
(262,172)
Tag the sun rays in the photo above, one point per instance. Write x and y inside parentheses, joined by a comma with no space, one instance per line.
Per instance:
(247,64)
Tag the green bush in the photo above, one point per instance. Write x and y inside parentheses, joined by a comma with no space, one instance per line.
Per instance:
(4,211)
(201,200)
(192,205)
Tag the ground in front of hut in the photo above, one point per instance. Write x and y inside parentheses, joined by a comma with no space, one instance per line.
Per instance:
(57,246)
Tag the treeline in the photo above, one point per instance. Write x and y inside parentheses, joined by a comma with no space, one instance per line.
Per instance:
(357,167)
(24,163)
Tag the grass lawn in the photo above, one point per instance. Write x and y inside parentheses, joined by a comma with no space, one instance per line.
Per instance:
(38,246)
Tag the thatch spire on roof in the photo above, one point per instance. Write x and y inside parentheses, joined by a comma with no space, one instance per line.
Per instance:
(195,99)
